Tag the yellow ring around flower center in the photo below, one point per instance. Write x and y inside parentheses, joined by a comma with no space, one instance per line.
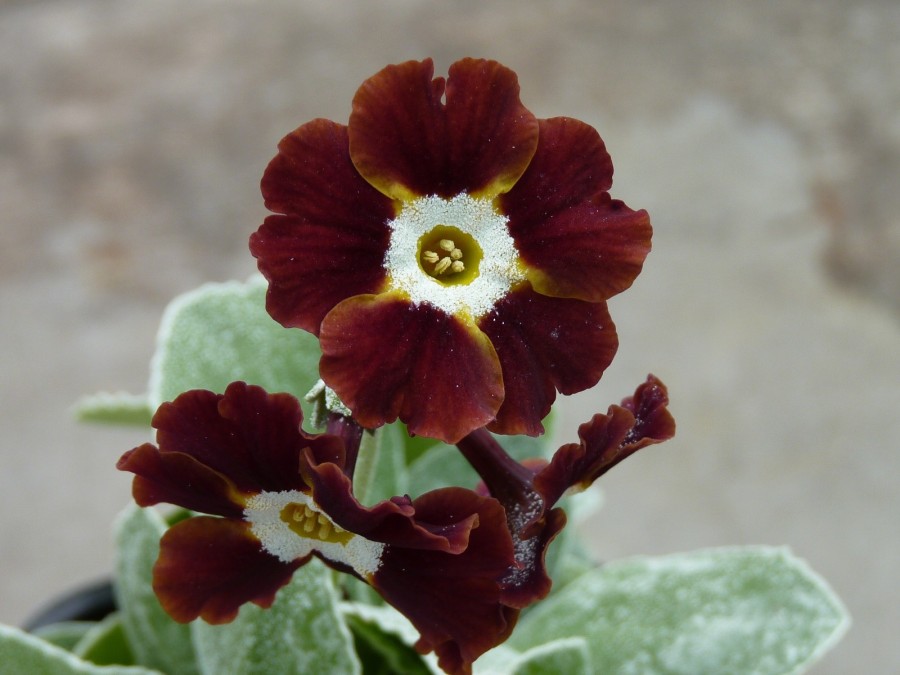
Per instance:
(449,255)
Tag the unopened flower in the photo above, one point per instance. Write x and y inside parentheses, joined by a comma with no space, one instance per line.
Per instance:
(278,496)
(451,251)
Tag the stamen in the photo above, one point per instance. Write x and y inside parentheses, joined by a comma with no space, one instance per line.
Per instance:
(312,524)
(278,520)
(309,519)
(443,265)
(451,263)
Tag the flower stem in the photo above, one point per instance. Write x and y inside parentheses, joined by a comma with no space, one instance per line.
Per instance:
(505,478)
(351,433)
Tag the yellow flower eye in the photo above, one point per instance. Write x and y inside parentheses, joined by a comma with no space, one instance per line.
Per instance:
(449,255)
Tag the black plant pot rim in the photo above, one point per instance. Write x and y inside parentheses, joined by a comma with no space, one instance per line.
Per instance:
(91,602)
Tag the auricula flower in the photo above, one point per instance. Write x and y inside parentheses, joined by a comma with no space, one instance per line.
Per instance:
(530,491)
(278,496)
(451,251)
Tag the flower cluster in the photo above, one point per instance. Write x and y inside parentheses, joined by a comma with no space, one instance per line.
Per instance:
(454,255)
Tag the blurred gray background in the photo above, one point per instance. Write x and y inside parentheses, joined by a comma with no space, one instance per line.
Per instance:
(763,137)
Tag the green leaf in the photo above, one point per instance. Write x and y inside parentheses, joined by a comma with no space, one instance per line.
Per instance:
(156,640)
(389,621)
(382,653)
(221,333)
(567,557)
(118,408)
(566,655)
(380,470)
(415,445)
(530,447)
(65,634)
(747,610)
(24,653)
(301,633)
(442,465)
(105,643)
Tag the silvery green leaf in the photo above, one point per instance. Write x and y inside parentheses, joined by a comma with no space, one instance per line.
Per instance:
(566,655)
(23,653)
(221,333)
(441,465)
(301,633)
(117,408)
(746,611)
(65,634)
(567,557)
(156,640)
(389,620)
(106,643)
(380,469)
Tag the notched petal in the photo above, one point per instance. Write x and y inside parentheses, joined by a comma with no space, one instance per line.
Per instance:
(407,142)
(387,358)
(492,136)
(249,436)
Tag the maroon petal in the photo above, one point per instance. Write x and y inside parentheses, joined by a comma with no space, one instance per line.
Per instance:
(453,600)
(209,567)
(529,519)
(606,440)
(393,521)
(570,166)
(574,239)
(177,478)
(546,345)
(249,436)
(387,358)
(406,142)
(649,405)
(331,244)
(528,581)
(592,251)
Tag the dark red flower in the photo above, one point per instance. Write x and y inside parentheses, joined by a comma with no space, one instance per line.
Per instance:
(277,496)
(450,250)
(530,491)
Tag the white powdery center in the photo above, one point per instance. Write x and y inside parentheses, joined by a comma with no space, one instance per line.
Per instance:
(263,512)
(498,270)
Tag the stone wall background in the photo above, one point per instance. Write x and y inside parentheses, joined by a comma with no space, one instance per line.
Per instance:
(763,137)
